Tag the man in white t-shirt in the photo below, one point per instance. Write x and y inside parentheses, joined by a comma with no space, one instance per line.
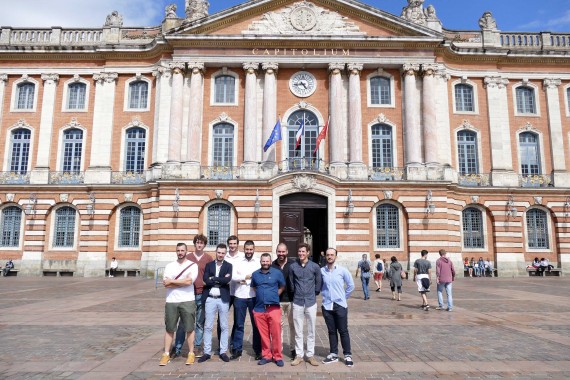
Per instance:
(233,257)
(178,279)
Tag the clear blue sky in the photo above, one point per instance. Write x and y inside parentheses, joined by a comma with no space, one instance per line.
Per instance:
(511,15)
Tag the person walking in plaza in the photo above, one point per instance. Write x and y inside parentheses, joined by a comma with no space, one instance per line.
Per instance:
(269,284)
(245,301)
(178,279)
(445,275)
(282,263)
(337,287)
(233,255)
(378,271)
(305,281)
(200,259)
(113,267)
(364,267)
(216,296)
(422,277)
(395,276)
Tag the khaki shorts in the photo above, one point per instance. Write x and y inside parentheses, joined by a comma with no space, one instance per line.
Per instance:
(186,311)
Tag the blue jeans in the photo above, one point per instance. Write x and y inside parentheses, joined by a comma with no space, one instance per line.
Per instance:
(241,306)
(213,306)
(365,281)
(337,324)
(200,318)
(447,286)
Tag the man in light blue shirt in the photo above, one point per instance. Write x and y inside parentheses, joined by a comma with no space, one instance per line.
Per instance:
(337,286)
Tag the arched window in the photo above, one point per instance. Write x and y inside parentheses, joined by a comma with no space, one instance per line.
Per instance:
(473,236)
(135,145)
(25,96)
(530,153)
(537,229)
(382,150)
(76,96)
(64,227)
(223,145)
(467,152)
(129,227)
(11,220)
(464,98)
(20,150)
(72,150)
(302,132)
(380,92)
(219,220)
(387,226)
(526,102)
(225,89)
(138,95)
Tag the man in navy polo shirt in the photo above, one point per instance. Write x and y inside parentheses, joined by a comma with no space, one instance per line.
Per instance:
(269,283)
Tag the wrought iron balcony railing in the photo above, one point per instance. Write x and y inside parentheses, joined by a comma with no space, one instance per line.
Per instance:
(386,174)
(303,164)
(535,180)
(128,178)
(13,178)
(474,179)
(66,178)
(220,172)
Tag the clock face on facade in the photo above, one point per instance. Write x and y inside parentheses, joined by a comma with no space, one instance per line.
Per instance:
(303,84)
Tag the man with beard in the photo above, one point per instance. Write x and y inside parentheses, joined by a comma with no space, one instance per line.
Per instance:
(337,286)
(282,263)
(244,300)
(179,277)
(268,283)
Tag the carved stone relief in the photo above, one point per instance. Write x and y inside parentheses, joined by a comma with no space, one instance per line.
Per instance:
(304,182)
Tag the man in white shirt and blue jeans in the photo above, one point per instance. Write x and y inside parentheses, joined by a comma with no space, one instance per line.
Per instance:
(178,279)
(337,287)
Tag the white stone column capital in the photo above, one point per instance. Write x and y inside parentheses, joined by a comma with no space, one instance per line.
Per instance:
(492,82)
(336,68)
(101,78)
(430,69)
(551,83)
(197,67)
(442,73)
(410,69)
(50,78)
(354,68)
(161,72)
(251,67)
(3,78)
(270,67)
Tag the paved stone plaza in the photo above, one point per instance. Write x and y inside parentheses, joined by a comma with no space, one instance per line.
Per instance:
(112,328)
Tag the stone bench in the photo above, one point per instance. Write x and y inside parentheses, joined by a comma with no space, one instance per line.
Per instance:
(12,272)
(487,274)
(552,272)
(58,272)
(125,272)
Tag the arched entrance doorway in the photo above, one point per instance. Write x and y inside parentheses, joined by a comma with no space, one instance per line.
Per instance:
(303,219)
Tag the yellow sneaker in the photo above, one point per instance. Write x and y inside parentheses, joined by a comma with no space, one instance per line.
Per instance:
(164,359)
(191,358)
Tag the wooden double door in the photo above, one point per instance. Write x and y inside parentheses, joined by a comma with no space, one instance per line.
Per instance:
(303,219)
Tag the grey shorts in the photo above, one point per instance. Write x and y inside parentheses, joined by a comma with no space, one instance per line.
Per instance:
(186,311)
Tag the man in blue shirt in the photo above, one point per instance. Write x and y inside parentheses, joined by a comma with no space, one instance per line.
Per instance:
(269,283)
(337,286)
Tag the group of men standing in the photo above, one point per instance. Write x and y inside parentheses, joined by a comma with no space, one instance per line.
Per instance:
(199,288)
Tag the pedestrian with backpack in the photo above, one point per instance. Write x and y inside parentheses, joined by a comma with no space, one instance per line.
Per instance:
(364,267)
(378,272)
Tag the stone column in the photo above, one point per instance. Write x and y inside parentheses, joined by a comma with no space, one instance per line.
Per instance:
(250,121)
(357,169)
(560,175)
(442,119)
(40,174)
(191,166)
(429,93)
(3,80)
(269,109)
(337,133)
(99,170)
(412,127)
(502,173)
(161,115)
(175,135)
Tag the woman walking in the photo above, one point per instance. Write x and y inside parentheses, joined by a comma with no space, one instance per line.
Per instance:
(395,278)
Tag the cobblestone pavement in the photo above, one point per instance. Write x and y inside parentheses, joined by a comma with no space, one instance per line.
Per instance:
(112,328)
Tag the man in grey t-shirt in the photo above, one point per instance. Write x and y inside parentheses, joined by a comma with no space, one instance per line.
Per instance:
(422,275)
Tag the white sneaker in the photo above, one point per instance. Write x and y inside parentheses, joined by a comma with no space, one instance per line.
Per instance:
(331,358)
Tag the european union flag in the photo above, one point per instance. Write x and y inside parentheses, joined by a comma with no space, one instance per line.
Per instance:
(275,136)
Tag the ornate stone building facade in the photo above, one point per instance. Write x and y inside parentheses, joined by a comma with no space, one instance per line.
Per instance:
(121,142)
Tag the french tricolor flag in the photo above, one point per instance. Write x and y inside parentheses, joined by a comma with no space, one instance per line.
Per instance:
(299,134)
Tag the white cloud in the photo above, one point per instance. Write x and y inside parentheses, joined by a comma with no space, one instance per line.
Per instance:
(556,24)
(82,13)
